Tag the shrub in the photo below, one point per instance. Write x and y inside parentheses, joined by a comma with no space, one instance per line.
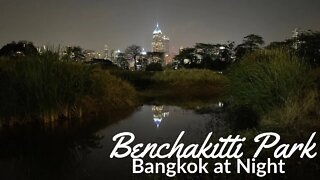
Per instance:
(154,67)
(264,79)
(46,88)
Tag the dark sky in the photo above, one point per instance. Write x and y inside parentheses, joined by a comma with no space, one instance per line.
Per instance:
(119,23)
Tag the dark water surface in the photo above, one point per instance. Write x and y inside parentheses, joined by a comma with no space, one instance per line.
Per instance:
(81,149)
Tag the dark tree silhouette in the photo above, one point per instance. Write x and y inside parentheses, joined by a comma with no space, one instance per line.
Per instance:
(122,61)
(74,53)
(250,43)
(206,56)
(288,44)
(154,67)
(132,52)
(253,42)
(20,49)
(187,58)
(308,47)
(155,57)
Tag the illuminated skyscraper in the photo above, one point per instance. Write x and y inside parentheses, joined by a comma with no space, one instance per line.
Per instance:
(166,41)
(160,42)
(157,42)
(106,52)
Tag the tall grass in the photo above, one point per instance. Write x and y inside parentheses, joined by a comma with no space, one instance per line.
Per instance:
(265,79)
(299,114)
(46,88)
(176,87)
(198,76)
(186,87)
(191,83)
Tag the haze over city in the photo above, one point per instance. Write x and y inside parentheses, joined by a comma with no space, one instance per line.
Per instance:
(119,23)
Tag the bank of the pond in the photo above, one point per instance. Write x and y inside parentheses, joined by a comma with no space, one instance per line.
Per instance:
(176,87)
(44,88)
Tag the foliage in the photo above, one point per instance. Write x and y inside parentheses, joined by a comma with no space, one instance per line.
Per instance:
(74,53)
(308,47)
(156,57)
(203,76)
(250,43)
(299,113)
(189,84)
(187,58)
(132,52)
(122,61)
(22,48)
(286,45)
(170,86)
(154,67)
(43,87)
(264,79)
(139,79)
(206,56)
(103,63)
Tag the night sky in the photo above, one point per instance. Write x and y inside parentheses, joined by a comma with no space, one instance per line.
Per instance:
(119,23)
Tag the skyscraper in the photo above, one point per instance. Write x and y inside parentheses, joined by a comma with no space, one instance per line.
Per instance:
(166,41)
(160,42)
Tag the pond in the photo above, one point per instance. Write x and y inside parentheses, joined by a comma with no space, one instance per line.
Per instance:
(81,149)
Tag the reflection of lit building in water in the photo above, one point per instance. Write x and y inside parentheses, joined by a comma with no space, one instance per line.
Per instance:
(159,113)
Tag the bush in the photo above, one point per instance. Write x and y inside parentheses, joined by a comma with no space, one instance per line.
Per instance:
(186,84)
(264,79)
(154,67)
(46,88)
(299,113)
(195,75)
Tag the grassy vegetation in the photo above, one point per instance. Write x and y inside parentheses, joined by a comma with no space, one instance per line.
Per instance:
(272,90)
(46,88)
(300,114)
(263,80)
(180,87)
(267,89)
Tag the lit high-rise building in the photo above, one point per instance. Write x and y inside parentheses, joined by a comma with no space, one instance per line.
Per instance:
(106,52)
(160,42)
(166,41)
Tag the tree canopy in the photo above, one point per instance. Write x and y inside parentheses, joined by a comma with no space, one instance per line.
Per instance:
(17,49)
(74,53)
(206,56)
(249,44)
(132,52)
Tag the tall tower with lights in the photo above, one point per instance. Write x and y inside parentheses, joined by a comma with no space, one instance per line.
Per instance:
(157,41)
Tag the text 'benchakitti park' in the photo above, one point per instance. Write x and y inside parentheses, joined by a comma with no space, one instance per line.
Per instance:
(190,158)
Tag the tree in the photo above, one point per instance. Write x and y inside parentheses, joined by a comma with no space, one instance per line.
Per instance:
(253,41)
(250,43)
(122,61)
(305,45)
(287,44)
(308,47)
(132,52)
(74,53)
(187,58)
(155,57)
(22,48)
(206,56)
(154,67)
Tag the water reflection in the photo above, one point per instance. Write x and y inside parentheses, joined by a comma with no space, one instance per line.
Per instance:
(79,149)
(159,113)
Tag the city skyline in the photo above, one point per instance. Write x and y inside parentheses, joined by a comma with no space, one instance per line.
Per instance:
(118,24)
